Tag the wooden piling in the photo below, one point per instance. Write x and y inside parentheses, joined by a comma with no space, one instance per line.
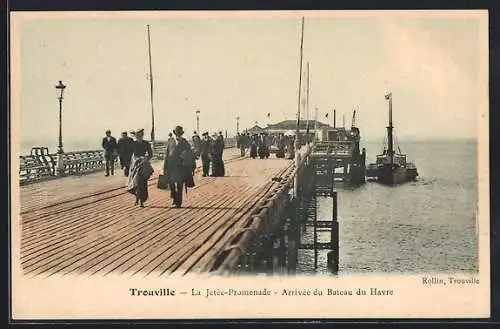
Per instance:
(333,254)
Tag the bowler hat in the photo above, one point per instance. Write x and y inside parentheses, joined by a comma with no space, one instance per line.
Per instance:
(178,130)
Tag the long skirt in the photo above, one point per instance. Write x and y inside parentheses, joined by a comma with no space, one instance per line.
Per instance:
(253,151)
(218,169)
(141,192)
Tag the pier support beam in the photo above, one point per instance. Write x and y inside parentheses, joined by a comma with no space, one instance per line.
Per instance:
(333,254)
(296,178)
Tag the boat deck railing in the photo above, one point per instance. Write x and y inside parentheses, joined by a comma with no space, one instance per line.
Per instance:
(337,148)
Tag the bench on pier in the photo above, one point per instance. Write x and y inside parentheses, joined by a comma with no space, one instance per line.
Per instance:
(36,166)
(32,169)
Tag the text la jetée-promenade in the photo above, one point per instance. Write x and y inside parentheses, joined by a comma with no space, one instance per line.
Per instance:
(207,293)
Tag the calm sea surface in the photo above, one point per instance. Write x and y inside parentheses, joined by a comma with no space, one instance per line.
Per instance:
(424,226)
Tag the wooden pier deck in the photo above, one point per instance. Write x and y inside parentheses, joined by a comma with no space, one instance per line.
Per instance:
(89,224)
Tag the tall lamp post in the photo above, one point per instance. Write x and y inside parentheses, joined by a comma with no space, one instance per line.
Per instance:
(198,121)
(59,169)
(237,125)
(60,91)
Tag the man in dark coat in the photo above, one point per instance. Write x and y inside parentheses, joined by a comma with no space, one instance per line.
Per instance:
(241,144)
(217,151)
(205,153)
(125,148)
(179,165)
(221,139)
(109,146)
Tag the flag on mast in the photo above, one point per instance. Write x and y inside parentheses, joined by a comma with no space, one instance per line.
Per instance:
(388,96)
(326,115)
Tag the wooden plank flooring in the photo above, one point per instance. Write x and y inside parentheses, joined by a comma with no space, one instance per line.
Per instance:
(105,233)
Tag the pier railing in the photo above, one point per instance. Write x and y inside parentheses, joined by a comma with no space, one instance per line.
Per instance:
(264,219)
(41,165)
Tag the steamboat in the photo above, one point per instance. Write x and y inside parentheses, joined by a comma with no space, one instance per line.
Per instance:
(391,167)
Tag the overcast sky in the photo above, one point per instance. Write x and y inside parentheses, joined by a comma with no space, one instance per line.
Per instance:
(233,66)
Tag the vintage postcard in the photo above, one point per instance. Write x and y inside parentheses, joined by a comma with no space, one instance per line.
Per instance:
(230,165)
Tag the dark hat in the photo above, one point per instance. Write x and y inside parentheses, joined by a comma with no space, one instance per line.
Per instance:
(220,132)
(108,131)
(124,133)
(178,130)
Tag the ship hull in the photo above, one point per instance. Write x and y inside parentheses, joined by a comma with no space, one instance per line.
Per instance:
(392,175)
(411,174)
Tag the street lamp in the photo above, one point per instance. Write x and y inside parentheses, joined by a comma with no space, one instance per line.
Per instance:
(60,91)
(198,121)
(237,125)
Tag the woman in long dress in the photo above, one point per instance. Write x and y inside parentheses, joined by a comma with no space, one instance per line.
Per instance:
(253,146)
(141,169)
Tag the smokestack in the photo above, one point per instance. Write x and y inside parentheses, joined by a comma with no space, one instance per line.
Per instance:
(334,118)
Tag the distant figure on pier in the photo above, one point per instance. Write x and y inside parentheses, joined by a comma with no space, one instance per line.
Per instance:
(109,146)
(242,144)
(125,148)
(263,146)
(280,143)
(179,165)
(218,169)
(196,144)
(221,138)
(205,153)
(141,168)
(254,144)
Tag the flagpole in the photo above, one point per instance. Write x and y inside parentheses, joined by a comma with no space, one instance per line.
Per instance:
(151,89)
(297,143)
(315,120)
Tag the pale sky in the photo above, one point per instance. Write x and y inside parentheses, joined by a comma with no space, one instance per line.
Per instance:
(228,67)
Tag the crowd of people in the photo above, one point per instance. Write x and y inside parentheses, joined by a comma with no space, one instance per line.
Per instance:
(179,164)
(180,157)
(260,144)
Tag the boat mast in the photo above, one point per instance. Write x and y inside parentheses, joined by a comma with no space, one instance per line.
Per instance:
(390,150)
(297,143)
(151,89)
